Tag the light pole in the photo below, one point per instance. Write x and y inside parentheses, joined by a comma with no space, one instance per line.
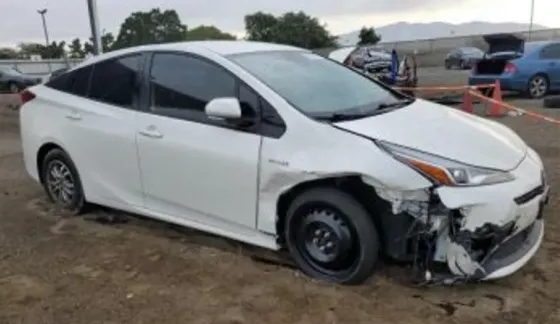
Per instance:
(531,20)
(94,23)
(42,13)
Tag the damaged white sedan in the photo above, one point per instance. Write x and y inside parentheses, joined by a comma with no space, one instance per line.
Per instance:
(281,148)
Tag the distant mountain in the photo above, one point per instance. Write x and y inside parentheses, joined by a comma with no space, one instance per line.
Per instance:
(403,31)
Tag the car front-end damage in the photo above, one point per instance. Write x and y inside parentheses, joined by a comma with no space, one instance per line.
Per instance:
(467,233)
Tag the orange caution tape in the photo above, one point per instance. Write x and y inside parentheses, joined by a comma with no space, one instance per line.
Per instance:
(439,88)
(512,107)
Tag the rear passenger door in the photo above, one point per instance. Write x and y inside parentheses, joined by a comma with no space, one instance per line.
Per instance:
(550,57)
(100,112)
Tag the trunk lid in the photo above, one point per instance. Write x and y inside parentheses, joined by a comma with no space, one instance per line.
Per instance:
(504,43)
(501,49)
(446,132)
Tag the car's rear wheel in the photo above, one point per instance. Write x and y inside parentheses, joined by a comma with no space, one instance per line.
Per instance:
(61,181)
(538,86)
(331,236)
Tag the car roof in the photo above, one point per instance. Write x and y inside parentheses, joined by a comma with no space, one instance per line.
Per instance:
(222,48)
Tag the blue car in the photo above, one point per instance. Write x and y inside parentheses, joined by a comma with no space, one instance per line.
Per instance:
(531,68)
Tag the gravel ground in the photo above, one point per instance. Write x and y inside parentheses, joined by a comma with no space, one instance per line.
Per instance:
(59,269)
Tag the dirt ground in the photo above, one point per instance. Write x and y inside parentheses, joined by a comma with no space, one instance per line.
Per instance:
(59,269)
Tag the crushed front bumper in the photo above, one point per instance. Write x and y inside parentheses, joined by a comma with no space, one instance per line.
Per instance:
(497,228)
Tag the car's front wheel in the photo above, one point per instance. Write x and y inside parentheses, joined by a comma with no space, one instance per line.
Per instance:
(331,236)
(61,181)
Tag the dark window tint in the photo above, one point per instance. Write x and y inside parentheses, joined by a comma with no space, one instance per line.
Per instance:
(78,81)
(114,81)
(186,83)
(249,100)
(551,52)
(75,82)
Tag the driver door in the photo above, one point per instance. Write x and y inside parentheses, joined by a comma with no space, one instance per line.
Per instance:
(194,167)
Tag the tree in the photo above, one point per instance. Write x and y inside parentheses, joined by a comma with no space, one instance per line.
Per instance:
(207,32)
(150,27)
(107,44)
(7,53)
(260,26)
(76,49)
(292,28)
(368,36)
(53,51)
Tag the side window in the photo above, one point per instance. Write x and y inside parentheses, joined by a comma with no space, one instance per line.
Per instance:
(78,81)
(249,100)
(272,125)
(114,81)
(182,85)
(551,52)
(75,82)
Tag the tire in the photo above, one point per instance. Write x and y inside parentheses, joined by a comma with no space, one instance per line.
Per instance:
(13,87)
(538,86)
(447,65)
(58,171)
(551,102)
(332,220)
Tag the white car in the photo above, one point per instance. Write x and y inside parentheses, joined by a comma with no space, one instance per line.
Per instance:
(281,148)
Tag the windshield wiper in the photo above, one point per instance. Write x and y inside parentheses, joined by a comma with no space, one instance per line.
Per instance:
(338,117)
(379,109)
(395,104)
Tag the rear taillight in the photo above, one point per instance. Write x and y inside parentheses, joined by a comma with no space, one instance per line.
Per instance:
(510,68)
(26,96)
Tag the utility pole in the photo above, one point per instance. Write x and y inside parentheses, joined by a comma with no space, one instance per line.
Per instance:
(94,23)
(42,13)
(531,20)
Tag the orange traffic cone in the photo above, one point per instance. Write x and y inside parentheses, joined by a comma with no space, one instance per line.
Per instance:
(495,106)
(468,102)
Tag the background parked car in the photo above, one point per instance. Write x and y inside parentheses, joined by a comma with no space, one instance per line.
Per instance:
(531,68)
(14,81)
(56,73)
(463,57)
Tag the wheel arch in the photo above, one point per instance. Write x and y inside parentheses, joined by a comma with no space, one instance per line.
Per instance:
(350,184)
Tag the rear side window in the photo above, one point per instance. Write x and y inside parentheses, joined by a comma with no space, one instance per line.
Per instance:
(551,52)
(75,82)
(114,81)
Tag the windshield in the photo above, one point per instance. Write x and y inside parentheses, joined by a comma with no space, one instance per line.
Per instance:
(316,86)
(10,71)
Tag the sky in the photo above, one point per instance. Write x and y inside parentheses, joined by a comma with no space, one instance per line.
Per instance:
(68,19)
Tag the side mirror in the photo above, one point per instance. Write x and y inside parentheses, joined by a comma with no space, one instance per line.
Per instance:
(223,108)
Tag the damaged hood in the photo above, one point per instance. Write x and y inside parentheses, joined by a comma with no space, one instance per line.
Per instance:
(446,132)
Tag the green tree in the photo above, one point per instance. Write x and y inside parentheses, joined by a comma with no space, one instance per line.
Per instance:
(207,33)
(150,27)
(107,44)
(292,28)
(76,49)
(260,26)
(55,50)
(368,36)
(7,53)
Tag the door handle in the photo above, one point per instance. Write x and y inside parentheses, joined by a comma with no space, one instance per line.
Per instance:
(151,131)
(74,116)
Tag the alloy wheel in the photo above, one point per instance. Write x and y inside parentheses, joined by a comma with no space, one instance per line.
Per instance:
(538,87)
(60,183)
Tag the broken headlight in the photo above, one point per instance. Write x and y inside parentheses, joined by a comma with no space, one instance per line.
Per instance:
(444,171)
